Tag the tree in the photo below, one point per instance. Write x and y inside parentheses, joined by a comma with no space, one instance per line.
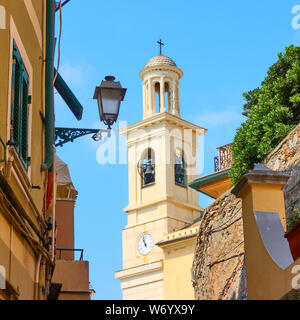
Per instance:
(273,111)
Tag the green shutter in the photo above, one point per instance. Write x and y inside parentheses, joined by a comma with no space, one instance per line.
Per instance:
(19,121)
(24,132)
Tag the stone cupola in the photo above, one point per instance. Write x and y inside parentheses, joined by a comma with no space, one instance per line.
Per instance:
(160,86)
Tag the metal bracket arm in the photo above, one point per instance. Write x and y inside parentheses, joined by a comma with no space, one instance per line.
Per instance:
(64,135)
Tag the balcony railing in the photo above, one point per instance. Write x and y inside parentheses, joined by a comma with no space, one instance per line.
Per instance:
(225,159)
(68,254)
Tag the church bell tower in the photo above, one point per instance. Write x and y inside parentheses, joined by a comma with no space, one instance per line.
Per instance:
(162,160)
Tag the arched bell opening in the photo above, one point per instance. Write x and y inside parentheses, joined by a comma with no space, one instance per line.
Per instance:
(157,97)
(167,96)
(146,167)
(179,168)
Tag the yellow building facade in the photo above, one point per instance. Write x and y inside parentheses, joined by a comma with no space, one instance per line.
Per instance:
(162,160)
(27,156)
(25,253)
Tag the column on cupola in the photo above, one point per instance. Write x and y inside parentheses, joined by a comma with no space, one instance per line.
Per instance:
(145,96)
(148,98)
(177,102)
(152,99)
(174,99)
(162,107)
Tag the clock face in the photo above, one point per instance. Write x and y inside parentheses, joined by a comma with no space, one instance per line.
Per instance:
(145,244)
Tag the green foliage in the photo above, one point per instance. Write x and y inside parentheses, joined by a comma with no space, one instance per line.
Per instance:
(274,110)
(293,218)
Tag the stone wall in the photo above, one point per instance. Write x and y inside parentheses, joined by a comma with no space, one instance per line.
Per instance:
(286,156)
(219,256)
(218,266)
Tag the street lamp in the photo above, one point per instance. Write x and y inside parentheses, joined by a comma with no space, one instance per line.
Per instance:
(109,96)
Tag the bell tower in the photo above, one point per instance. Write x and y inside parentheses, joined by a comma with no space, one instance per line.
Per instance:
(162,160)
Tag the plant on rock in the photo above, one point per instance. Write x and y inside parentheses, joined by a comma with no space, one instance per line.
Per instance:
(273,111)
(293,218)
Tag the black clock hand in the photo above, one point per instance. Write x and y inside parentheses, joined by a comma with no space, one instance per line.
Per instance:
(144,242)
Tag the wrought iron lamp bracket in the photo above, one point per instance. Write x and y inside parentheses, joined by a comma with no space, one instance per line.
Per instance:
(64,135)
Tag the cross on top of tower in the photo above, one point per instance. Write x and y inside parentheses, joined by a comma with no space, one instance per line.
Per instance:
(160,44)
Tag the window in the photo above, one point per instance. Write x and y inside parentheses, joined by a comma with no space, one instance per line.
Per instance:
(146,167)
(179,168)
(157,97)
(19,107)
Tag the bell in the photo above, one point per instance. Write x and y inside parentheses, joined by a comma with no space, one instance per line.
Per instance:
(179,174)
(148,173)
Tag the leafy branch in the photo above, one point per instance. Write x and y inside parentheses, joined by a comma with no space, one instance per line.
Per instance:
(273,111)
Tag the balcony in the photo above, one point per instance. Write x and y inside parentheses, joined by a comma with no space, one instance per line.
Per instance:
(68,254)
(224,160)
(218,182)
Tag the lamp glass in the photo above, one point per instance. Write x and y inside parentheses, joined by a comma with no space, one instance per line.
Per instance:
(110,103)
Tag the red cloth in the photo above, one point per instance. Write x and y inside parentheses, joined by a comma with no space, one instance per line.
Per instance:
(49,190)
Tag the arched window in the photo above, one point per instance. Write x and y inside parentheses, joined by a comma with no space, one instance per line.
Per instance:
(157,97)
(146,167)
(167,97)
(179,168)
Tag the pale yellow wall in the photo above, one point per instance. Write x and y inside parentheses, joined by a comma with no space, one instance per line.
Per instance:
(144,281)
(178,260)
(146,291)
(24,25)
(148,286)
(275,196)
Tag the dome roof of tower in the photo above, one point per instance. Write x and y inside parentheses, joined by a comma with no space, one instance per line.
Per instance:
(160,60)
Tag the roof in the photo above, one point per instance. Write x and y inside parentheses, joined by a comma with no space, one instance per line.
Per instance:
(160,60)
(213,176)
(65,188)
(189,232)
(63,173)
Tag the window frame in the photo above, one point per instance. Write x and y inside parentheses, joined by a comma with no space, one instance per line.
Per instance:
(20,109)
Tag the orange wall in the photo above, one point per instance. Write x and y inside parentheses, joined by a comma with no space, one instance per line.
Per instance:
(65,227)
(74,276)
(265,279)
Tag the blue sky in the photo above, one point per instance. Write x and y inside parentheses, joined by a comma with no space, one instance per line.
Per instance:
(224,49)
